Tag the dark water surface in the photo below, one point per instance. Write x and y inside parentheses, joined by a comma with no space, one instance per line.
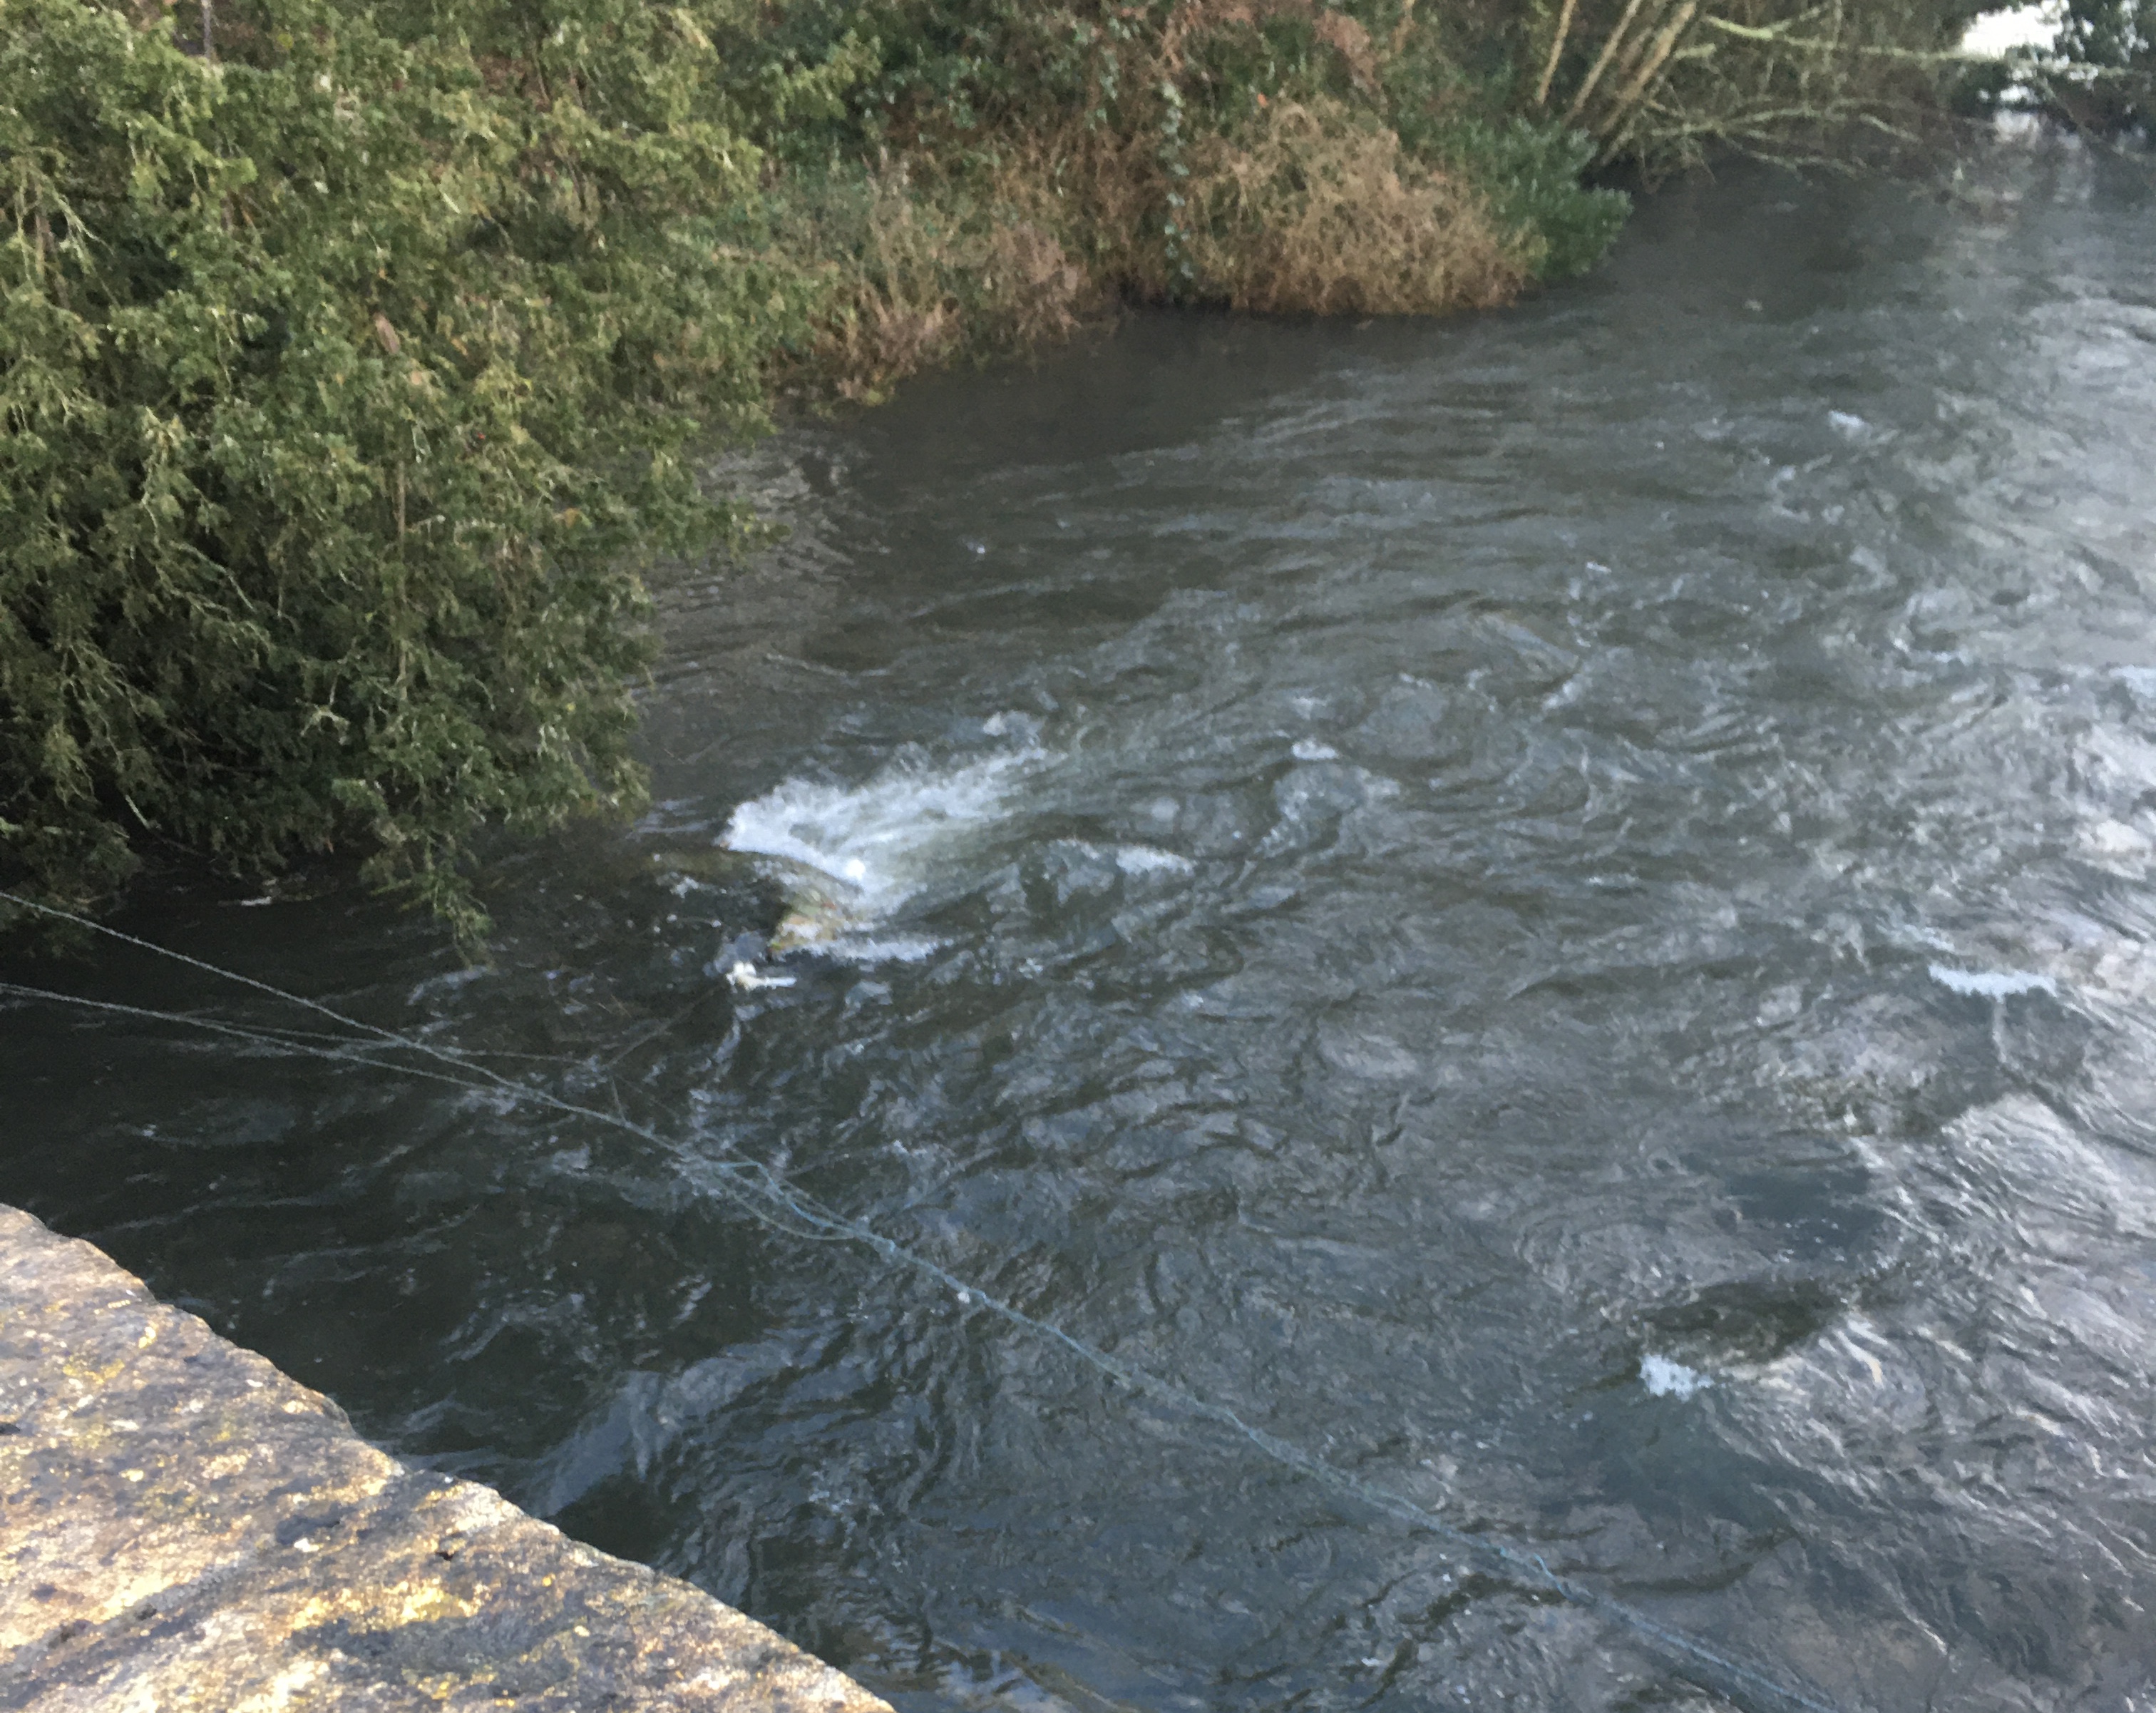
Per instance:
(1560,908)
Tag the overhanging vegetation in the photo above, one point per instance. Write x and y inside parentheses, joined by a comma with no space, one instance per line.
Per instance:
(352,352)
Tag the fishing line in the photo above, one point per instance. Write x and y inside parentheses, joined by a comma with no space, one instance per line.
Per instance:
(773,1201)
(306,1047)
(303,1045)
(276,993)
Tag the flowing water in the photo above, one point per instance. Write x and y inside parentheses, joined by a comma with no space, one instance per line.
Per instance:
(1558,909)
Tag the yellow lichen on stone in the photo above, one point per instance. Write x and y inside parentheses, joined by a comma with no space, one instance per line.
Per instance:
(187,1530)
(281,1693)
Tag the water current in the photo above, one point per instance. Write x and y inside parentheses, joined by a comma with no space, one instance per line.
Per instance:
(1558,909)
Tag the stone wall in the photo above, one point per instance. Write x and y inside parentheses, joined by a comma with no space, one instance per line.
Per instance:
(183,1527)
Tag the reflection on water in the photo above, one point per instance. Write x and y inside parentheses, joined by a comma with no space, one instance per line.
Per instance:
(1556,908)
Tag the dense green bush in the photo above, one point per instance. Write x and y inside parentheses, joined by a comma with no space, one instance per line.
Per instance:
(1534,175)
(344,385)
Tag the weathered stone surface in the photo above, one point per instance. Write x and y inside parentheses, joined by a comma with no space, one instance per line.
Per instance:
(182,1527)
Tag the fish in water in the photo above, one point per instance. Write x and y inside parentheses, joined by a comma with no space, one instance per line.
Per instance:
(819,905)
(815,906)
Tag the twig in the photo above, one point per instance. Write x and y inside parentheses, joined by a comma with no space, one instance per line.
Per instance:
(1636,48)
(1602,63)
(1557,48)
(1940,56)
(1665,45)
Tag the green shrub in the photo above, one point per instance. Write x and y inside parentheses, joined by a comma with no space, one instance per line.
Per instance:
(342,386)
(1532,172)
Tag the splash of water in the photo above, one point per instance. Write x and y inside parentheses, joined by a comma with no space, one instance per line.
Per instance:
(878,844)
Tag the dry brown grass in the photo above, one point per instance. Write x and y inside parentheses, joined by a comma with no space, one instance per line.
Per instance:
(932,274)
(1317,213)
(1194,19)
(1310,208)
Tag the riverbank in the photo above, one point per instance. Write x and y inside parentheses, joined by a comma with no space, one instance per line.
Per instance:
(183,1527)
(344,404)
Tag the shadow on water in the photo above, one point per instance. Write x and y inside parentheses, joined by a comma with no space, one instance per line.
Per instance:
(1555,908)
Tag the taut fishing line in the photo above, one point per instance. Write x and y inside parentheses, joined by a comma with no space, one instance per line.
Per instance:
(766,1196)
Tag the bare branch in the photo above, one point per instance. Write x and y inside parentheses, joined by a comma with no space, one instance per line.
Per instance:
(1602,62)
(1557,49)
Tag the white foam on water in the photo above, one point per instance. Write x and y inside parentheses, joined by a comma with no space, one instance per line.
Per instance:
(1849,427)
(1013,724)
(1310,749)
(1665,1378)
(887,838)
(1144,859)
(749,979)
(2116,845)
(2000,31)
(1993,984)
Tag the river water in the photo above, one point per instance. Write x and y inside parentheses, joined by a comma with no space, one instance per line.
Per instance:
(1558,909)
